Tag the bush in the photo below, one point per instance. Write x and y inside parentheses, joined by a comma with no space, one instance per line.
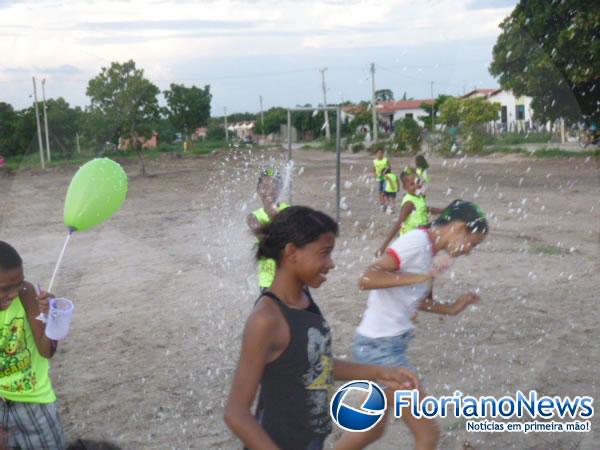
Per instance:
(355,148)
(408,134)
(215,133)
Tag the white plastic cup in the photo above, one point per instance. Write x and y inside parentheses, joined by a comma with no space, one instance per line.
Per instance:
(59,318)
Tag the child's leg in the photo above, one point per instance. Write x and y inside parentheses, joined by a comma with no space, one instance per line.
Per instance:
(34,426)
(391,352)
(425,431)
(381,194)
(358,441)
(393,203)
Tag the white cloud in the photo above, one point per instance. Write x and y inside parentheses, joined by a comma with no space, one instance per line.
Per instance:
(163,35)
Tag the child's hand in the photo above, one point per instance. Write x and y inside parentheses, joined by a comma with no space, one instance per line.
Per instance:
(397,378)
(43,299)
(462,302)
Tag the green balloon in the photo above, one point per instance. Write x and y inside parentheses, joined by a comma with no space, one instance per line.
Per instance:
(96,192)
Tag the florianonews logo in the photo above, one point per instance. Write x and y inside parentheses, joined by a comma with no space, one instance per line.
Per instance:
(354,419)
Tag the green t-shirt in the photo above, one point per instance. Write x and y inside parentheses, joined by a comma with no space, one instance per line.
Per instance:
(420,215)
(423,175)
(380,165)
(24,373)
(267,266)
(391,182)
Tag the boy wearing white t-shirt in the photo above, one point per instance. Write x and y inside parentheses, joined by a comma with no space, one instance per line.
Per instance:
(400,284)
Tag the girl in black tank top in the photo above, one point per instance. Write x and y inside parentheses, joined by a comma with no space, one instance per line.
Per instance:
(286,347)
(303,376)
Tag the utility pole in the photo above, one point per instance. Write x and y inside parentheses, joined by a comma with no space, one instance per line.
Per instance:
(373,109)
(77,141)
(262,115)
(39,128)
(46,120)
(226,130)
(327,129)
(432,109)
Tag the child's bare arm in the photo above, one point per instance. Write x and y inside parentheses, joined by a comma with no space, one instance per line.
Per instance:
(34,305)
(449,309)
(395,378)
(257,344)
(253,223)
(271,209)
(405,211)
(383,274)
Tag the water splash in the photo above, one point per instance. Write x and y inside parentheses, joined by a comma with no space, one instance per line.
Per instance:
(286,187)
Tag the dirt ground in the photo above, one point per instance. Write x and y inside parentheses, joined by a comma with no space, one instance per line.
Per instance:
(163,288)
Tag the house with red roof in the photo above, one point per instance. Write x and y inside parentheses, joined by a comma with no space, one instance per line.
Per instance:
(200,133)
(515,115)
(393,111)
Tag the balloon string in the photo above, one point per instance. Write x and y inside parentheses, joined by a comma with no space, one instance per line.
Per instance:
(62,253)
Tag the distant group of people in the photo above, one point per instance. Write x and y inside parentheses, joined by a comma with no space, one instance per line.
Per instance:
(286,354)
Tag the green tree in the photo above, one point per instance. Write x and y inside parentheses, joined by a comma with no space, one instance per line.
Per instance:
(408,134)
(274,117)
(450,112)
(384,95)
(551,52)
(164,127)
(26,129)
(188,107)
(9,118)
(436,108)
(470,115)
(312,122)
(364,117)
(126,102)
(64,123)
(215,132)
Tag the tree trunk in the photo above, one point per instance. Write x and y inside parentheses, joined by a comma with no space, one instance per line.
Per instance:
(137,147)
(141,160)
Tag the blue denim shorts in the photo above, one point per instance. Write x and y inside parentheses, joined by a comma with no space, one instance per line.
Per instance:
(386,351)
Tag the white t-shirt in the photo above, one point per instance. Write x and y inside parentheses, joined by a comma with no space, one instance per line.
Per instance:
(389,310)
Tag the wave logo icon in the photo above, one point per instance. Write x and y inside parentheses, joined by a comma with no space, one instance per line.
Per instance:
(370,413)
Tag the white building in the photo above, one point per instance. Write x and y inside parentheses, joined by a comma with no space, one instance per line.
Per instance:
(515,114)
(391,112)
(242,130)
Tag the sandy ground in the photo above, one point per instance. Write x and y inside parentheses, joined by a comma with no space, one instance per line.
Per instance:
(163,288)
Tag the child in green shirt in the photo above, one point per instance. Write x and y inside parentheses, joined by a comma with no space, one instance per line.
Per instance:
(28,407)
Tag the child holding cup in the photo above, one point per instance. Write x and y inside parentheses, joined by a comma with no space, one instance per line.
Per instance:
(28,409)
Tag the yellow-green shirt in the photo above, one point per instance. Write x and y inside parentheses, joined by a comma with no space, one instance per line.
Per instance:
(266,266)
(420,215)
(423,175)
(380,165)
(391,182)
(24,373)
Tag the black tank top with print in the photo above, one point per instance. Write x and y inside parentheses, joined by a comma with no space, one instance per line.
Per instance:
(293,405)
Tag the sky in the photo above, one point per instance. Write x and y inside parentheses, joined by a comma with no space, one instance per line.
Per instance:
(245,49)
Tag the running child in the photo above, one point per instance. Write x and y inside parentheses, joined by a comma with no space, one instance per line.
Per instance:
(414,211)
(286,346)
(380,163)
(386,327)
(391,189)
(28,407)
(268,190)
